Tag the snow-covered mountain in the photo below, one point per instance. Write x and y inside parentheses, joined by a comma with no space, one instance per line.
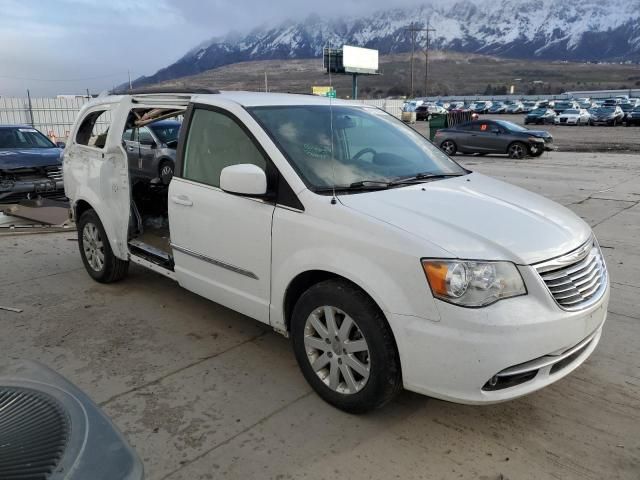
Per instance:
(545,29)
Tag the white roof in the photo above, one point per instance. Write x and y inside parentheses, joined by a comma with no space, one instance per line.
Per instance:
(257,99)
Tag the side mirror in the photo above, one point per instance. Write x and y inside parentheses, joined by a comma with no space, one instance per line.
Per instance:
(61,145)
(244,179)
(148,143)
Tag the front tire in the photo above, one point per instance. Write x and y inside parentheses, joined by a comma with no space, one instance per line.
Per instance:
(344,347)
(98,258)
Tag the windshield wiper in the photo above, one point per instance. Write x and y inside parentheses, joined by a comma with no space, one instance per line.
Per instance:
(365,185)
(362,185)
(423,176)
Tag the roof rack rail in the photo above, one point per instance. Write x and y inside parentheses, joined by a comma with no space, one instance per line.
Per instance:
(166,90)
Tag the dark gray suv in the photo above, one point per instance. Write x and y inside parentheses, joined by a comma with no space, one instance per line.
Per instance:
(152,150)
(493,136)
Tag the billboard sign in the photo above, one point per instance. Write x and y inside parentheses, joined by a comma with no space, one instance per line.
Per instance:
(359,60)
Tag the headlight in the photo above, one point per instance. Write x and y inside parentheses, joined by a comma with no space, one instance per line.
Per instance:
(536,139)
(473,283)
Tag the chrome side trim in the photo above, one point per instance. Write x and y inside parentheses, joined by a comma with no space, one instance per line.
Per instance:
(215,262)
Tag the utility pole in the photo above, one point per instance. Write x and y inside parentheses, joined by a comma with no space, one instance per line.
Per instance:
(266,82)
(413,29)
(426,59)
(129,74)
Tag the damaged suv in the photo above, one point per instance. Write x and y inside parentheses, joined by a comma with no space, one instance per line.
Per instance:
(30,164)
(388,264)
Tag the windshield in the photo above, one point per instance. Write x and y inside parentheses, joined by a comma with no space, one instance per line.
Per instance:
(511,126)
(23,137)
(539,111)
(166,132)
(563,104)
(571,112)
(368,145)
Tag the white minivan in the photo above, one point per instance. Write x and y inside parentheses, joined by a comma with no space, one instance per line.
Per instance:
(388,264)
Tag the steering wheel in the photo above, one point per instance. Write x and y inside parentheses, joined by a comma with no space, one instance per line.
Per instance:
(362,152)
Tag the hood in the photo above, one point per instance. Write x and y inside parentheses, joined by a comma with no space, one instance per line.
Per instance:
(11,159)
(539,133)
(477,217)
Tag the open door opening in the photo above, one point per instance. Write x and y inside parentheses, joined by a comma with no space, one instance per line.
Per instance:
(150,140)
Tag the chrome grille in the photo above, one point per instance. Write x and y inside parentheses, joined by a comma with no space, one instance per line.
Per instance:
(578,279)
(54,173)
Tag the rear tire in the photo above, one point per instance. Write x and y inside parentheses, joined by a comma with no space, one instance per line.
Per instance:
(344,347)
(449,147)
(517,150)
(98,258)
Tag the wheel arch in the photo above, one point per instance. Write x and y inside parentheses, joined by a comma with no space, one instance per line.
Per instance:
(305,280)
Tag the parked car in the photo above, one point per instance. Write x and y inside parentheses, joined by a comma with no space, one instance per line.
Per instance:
(425,110)
(516,107)
(481,107)
(633,117)
(540,116)
(30,165)
(606,115)
(529,106)
(386,263)
(626,108)
(457,106)
(585,103)
(497,107)
(573,117)
(561,106)
(493,136)
(151,150)
(611,102)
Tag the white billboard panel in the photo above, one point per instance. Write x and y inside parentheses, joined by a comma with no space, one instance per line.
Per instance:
(359,60)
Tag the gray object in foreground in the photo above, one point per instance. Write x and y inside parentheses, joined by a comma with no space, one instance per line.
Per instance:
(51,430)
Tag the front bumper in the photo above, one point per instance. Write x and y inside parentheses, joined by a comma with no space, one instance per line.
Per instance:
(457,358)
(16,190)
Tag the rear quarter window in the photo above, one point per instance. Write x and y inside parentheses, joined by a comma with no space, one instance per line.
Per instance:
(93,129)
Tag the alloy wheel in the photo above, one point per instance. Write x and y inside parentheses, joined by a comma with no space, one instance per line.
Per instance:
(93,246)
(516,151)
(337,350)
(448,147)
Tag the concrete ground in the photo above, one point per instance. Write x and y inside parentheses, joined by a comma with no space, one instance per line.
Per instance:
(203,392)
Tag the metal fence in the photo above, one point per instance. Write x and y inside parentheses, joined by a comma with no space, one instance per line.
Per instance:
(49,115)
(55,116)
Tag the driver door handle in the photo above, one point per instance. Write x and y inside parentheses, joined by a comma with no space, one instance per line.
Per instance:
(182,200)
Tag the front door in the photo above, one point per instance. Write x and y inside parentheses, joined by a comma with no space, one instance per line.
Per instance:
(221,242)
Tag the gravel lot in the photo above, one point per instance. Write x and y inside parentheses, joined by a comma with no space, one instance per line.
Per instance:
(203,392)
(579,139)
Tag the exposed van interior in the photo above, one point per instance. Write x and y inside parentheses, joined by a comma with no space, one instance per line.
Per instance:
(148,235)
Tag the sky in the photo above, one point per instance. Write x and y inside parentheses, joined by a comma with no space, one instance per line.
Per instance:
(56,47)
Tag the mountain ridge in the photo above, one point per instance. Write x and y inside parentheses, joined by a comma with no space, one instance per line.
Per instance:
(573,30)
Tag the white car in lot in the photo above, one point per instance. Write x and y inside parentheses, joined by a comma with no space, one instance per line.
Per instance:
(573,116)
(386,263)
